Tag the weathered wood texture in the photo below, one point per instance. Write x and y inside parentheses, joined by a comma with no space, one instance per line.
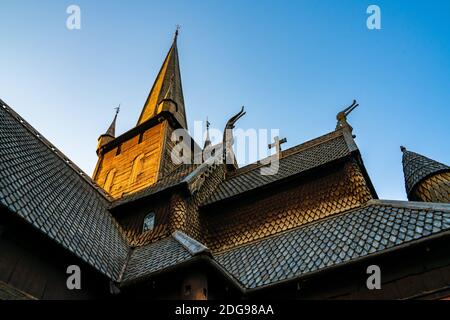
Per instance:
(167,164)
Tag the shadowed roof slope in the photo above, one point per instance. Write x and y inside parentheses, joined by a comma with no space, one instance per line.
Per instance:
(166,253)
(40,185)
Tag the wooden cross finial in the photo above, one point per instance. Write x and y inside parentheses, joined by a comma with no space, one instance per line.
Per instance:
(177,30)
(277,144)
(117,109)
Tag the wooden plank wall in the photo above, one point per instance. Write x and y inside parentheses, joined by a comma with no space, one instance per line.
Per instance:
(150,148)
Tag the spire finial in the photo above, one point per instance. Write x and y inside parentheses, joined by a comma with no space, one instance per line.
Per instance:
(177,30)
(207,139)
(112,128)
(402,148)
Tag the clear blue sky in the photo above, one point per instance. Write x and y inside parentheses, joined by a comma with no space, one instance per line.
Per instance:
(293,64)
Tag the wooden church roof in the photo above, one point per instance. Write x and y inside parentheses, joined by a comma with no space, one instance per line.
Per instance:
(44,188)
(40,185)
(375,228)
(294,161)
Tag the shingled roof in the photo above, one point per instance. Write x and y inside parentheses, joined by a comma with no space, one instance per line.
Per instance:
(314,153)
(416,168)
(161,255)
(377,227)
(40,185)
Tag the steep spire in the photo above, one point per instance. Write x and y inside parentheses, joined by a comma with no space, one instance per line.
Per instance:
(208,139)
(112,128)
(167,93)
(417,167)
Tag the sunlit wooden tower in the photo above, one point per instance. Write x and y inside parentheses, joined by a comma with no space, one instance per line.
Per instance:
(141,156)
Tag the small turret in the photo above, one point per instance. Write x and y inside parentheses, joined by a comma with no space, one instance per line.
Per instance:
(110,134)
(425,179)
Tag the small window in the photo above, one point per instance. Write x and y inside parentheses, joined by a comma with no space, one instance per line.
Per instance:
(119,150)
(149,222)
(141,136)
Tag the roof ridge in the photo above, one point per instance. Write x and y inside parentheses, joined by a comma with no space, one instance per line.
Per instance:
(412,204)
(17,117)
(125,263)
(191,245)
(291,151)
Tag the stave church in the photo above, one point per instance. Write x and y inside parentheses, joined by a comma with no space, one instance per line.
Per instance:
(145,226)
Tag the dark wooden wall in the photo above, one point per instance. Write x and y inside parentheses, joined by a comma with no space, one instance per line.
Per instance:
(35,266)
